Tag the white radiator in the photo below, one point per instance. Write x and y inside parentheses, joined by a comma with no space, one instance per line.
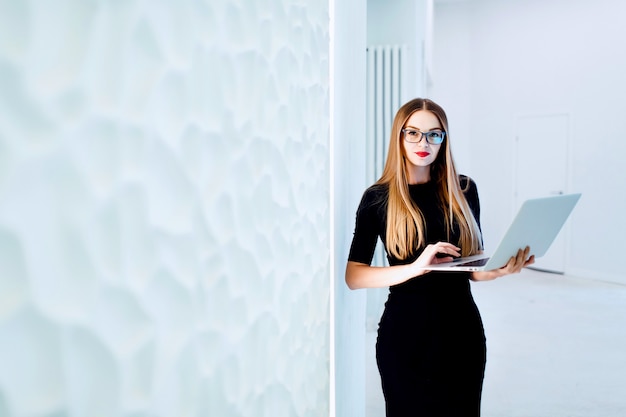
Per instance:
(386,75)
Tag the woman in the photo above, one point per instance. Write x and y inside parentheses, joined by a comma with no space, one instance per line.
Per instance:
(431,345)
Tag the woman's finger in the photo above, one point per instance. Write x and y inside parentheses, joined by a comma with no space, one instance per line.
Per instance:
(523,260)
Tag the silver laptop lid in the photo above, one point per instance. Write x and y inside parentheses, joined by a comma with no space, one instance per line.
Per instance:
(536,224)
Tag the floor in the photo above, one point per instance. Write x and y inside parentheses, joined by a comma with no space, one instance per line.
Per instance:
(556,348)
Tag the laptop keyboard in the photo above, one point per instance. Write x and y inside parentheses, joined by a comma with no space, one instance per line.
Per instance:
(478,262)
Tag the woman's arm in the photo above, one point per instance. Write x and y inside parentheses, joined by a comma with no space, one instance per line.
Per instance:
(360,275)
(514,266)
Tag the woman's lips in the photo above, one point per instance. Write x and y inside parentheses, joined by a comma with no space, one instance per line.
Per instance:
(422,154)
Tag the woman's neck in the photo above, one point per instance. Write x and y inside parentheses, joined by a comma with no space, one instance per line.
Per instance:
(419,175)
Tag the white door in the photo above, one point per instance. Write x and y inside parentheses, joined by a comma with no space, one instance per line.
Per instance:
(541,170)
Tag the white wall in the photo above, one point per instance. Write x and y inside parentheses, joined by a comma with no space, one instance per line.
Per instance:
(403,22)
(452,73)
(536,57)
(348,130)
(164,208)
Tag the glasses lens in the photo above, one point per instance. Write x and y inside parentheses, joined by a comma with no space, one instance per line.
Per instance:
(411,135)
(434,138)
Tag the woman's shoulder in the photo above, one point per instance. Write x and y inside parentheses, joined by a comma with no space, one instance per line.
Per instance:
(465,180)
(375,195)
(470,190)
(467,183)
(377,189)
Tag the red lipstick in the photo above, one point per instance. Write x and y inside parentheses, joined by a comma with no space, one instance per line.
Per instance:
(422,154)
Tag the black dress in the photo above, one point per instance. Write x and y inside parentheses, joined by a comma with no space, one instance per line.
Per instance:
(431,343)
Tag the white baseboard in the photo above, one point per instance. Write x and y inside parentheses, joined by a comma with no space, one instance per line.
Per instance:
(613,278)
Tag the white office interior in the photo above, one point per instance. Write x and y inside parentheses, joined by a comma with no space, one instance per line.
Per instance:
(178,184)
(523,82)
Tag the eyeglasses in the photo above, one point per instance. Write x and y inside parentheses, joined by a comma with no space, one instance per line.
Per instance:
(434,137)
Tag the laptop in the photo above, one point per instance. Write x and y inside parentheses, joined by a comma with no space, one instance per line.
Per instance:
(536,225)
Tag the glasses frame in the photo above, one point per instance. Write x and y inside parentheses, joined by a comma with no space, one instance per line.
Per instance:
(423,135)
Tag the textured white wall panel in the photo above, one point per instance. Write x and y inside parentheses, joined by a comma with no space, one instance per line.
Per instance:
(164,208)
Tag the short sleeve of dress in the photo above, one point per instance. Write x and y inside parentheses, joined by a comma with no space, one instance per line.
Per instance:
(367,229)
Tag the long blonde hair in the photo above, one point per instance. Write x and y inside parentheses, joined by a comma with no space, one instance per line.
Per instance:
(405,222)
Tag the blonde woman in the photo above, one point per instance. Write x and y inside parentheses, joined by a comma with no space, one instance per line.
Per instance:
(430,348)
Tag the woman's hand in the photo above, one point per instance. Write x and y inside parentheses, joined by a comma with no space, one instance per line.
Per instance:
(514,266)
(429,256)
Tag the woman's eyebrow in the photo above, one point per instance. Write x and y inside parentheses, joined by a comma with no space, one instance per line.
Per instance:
(417,128)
